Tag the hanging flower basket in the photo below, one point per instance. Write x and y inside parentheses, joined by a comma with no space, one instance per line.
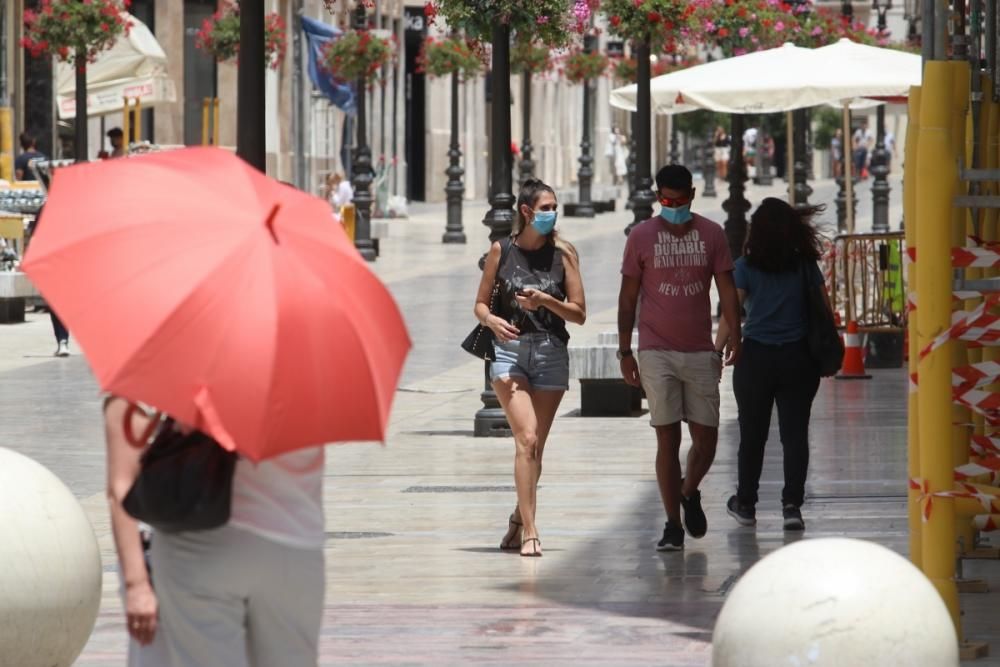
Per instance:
(528,56)
(550,22)
(357,54)
(580,66)
(659,22)
(442,57)
(72,30)
(220,36)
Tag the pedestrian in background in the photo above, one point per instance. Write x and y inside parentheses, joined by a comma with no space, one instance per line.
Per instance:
(539,291)
(837,153)
(117,139)
(779,260)
(58,328)
(338,191)
(670,261)
(720,151)
(29,153)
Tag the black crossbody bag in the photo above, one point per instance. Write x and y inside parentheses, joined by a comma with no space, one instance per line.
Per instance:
(825,346)
(480,340)
(185,481)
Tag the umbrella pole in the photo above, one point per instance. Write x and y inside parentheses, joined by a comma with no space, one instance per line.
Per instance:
(848,152)
(790,156)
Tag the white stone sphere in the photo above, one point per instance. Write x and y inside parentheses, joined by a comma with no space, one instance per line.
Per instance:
(834,602)
(50,568)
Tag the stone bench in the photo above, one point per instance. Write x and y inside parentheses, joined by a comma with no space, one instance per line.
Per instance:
(603,392)
(15,289)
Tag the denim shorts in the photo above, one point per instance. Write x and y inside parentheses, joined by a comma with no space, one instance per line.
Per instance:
(539,358)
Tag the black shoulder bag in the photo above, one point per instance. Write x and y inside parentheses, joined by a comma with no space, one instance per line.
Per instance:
(185,481)
(825,345)
(480,340)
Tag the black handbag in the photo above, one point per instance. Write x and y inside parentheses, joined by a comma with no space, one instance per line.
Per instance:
(185,481)
(825,345)
(479,342)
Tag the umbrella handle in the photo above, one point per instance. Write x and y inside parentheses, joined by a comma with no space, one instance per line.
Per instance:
(147,433)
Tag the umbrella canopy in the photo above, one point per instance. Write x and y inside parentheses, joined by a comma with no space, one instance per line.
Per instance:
(135,67)
(782,79)
(232,302)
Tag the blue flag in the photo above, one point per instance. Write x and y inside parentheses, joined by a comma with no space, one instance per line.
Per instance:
(318,35)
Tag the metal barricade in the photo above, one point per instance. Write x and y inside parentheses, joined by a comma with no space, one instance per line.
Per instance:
(866,280)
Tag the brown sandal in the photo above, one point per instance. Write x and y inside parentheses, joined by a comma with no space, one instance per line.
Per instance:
(513,533)
(535,553)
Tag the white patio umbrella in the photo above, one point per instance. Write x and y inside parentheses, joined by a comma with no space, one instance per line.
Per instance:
(135,67)
(784,79)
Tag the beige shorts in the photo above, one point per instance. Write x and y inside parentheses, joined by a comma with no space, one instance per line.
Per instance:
(681,385)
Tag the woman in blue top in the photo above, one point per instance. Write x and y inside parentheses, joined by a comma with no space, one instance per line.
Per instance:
(780,255)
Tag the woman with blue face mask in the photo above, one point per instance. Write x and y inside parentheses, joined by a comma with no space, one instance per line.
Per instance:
(540,289)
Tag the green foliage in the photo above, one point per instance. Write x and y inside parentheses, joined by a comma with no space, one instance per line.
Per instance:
(547,21)
(73,30)
(657,21)
(357,54)
(442,57)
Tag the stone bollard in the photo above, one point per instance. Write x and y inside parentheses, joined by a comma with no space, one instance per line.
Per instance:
(50,581)
(834,601)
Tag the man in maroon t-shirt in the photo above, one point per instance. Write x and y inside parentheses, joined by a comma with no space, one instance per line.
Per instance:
(670,261)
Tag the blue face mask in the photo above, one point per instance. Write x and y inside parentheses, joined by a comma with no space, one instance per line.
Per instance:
(676,216)
(544,222)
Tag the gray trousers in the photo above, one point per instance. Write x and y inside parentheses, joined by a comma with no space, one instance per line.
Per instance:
(228,598)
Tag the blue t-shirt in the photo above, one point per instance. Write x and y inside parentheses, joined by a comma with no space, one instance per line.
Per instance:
(775,302)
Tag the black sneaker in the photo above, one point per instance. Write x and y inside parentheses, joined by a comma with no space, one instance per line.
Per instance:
(793,518)
(673,538)
(694,515)
(744,515)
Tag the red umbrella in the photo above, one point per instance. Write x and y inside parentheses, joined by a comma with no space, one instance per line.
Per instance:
(194,283)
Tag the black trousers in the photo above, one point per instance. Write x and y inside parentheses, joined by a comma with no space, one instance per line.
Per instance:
(58,328)
(764,376)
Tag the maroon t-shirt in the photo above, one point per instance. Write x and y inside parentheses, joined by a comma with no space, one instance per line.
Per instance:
(676,275)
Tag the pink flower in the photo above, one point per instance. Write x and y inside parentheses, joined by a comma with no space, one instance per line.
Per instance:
(816,31)
(542,20)
(779,26)
(744,31)
(739,52)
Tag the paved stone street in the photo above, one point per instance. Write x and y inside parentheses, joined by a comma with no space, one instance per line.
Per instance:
(414,573)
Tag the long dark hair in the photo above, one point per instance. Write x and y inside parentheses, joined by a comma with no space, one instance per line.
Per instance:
(781,236)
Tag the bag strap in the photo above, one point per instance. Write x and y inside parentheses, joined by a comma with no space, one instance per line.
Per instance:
(147,433)
(505,246)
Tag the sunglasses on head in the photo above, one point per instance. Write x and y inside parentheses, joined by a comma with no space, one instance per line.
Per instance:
(674,202)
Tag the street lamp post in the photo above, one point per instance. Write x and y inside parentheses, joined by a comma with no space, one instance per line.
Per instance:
(847,13)
(362,169)
(250,123)
(490,419)
(454,190)
(708,168)
(584,208)
(880,156)
(736,206)
(643,197)
(526,166)
(630,162)
(802,190)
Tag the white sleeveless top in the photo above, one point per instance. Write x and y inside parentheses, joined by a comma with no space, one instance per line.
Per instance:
(281,499)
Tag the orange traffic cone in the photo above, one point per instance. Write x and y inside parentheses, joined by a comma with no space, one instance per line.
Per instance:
(854,363)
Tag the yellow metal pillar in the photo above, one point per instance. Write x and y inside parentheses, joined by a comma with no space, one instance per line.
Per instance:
(961,416)
(138,120)
(215,121)
(205,101)
(126,123)
(7,145)
(910,228)
(936,178)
